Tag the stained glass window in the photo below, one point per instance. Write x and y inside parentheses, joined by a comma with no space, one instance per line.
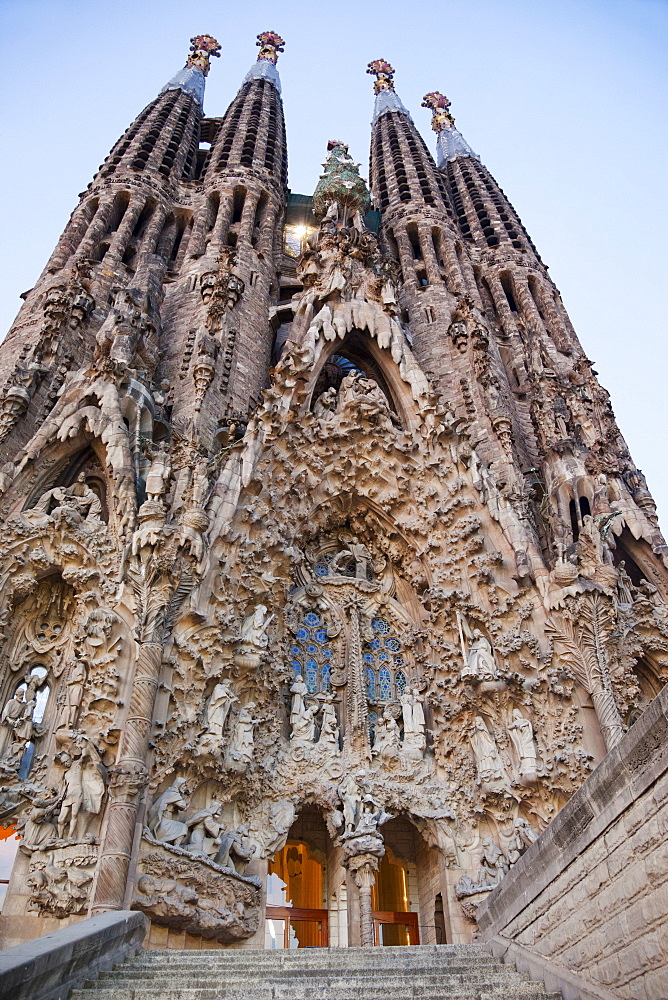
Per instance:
(385,676)
(311,652)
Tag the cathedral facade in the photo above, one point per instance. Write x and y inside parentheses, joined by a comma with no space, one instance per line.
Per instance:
(326,576)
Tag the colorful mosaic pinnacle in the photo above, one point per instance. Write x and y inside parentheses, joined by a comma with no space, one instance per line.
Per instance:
(341,183)
(270,45)
(202,47)
(440,109)
(384,74)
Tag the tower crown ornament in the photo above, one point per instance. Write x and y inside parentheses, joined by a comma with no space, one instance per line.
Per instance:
(202,47)
(270,45)
(341,182)
(440,110)
(384,74)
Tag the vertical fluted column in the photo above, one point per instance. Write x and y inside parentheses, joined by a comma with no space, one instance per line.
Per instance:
(128,777)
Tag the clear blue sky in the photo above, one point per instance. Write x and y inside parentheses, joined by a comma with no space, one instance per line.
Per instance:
(565,101)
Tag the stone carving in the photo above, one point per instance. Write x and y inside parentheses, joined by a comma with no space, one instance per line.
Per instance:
(488,762)
(158,475)
(190,894)
(480,665)
(161,822)
(414,740)
(241,747)
(76,684)
(520,731)
(221,700)
(236,850)
(61,888)
(78,501)
(386,735)
(84,783)
(523,836)
(205,830)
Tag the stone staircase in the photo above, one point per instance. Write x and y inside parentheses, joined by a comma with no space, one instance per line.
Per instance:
(422,972)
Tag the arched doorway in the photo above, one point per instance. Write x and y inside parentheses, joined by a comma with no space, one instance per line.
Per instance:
(300,892)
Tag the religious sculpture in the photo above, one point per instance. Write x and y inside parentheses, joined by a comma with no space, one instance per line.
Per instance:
(488,762)
(242,743)
(78,500)
(221,700)
(205,829)
(160,821)
(480,665)
(236,850)
(386,735)
(414,740)
(520,731)
(76,683)
(329,725)
(84,785)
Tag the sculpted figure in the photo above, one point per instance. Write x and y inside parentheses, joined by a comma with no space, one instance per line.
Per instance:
(523,836)
(480,665)
(205,829)
(624,584)
(486,754)
(14,710)
(324,404)
(243,744)
(40,826)
(386,735)
(329,726)
(78,498)
(370,818)
(298,690)
(351,801)
(76,683)
(158,474)
(413,716)
(160,821)
(303,726)
(493,865)
(84,786)
(235,850)
(520,731)
(220,703)
(254,627)
(281,818)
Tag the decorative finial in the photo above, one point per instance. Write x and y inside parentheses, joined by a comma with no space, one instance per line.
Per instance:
(384,74)
(439,105)
(270,45)
(340,183)
(202,47)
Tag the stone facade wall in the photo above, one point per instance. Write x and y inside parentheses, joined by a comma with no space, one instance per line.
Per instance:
(590,897)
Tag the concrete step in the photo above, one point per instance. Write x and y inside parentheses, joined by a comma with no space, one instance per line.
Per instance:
(426,972)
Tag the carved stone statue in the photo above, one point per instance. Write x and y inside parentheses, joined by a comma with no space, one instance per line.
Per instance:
(523,836)
(242,743)
(299,691)
(78,499)
(486,754)
(480,665)
(493,865)
(84,784)
(329,725)
(76,683)
(281,818)
(386,735)
(158,474)
(413,718)
(161,822)
(624,585)
(520,731)
(205,829)
(235,850)
(351,801)
(254,628)
(220,703)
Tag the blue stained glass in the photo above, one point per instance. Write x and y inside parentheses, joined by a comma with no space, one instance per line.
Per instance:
(399,661)
(400,682)
(327,652)
(373,721)
(302,633)
(296,666)
(311,678)
(312,619)
(385,683)
(368,658)
(326,670)
(320,635)
(383,656)
(296,650)
(370,683)
(374,644)
(393,644)
(321,570)
(380,625)
(310,648)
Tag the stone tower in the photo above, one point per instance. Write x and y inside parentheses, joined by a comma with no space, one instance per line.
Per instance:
(326,574)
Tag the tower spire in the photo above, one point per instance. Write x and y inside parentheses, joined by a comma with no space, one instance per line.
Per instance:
(450,142)
(387,98)
(191,78)
(270,45)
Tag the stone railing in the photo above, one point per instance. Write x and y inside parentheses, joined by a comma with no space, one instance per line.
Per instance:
(586,907)
(49,967)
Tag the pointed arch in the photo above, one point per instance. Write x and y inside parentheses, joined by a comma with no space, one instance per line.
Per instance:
(363,352)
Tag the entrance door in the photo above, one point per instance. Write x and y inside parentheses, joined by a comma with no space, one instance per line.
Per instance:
(395,928)
(295,927)
(296,892)
(393,921)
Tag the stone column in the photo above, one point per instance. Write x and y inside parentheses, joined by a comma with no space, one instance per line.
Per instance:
(128,778)
(363,868)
